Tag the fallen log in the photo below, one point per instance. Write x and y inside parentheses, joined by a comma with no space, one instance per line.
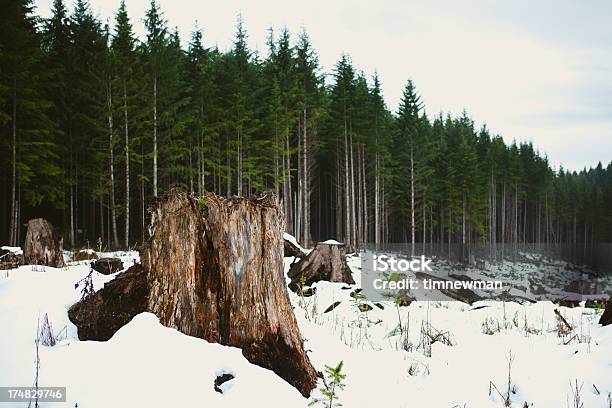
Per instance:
(326,262)
(214,270)
(43,246)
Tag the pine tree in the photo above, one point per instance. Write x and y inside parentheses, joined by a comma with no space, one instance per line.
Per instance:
(35,177)
(125,60)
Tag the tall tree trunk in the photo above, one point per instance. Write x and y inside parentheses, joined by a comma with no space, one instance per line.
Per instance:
(376,202)
(412,220)
(503,223)
(347,201)
(155,136)
(127,169)
(306,185)
(111,155)
(13,224)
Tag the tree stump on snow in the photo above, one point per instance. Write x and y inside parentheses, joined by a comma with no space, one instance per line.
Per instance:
(606,318)
(42,245)
(327,261)
(214,270)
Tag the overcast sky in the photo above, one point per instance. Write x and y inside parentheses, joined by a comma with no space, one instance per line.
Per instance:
(532,70)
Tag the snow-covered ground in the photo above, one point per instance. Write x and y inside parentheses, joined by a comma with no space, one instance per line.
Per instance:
(148,365)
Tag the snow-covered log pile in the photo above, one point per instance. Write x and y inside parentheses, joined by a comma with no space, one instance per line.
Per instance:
(213,269)
(43,246)
(327,261)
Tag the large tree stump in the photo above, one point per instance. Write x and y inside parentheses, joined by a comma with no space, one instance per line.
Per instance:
(42,245)
(327,261)
(214,270)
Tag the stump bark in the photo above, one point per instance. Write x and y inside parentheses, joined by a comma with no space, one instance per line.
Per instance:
(325,262)
(214,270)
(43,246)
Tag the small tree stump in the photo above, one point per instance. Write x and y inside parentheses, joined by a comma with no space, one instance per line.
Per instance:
(107,266)
(606,317)
(214,270)
(327,261)
(42,245)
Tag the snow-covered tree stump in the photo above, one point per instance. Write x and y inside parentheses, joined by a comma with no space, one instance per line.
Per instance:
(327,261)
(214,270)
(42,245)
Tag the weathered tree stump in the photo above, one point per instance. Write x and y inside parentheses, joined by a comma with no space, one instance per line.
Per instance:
(291,249)
(42,245)
(214,270)
(107,266)
(327,261)
(606,317)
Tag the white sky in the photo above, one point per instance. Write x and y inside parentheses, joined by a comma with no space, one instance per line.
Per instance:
(539,72)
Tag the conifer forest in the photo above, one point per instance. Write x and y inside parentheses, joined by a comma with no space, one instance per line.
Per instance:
(95,123)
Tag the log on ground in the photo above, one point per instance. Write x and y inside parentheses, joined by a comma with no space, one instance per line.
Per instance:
(326,262)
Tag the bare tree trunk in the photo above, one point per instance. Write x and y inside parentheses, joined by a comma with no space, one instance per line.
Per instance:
(365,196)
(71,216)
(347,215)
(155,136)
(13,224)
(503,222)
(127,169)
(376,202)
(352,181)
(412,220)
(111,154)
(306,186)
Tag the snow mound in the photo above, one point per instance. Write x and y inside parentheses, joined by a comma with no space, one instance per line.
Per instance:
(331,242)
(143,365)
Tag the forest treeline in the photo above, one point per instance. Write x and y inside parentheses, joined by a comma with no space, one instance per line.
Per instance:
(95,123)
